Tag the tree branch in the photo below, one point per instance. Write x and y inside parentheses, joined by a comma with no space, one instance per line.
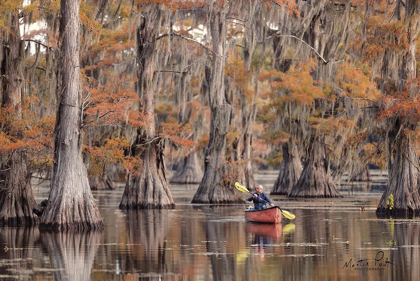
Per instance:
(171,71)
(40,43)
(301,40)
(101,116)
(188,39)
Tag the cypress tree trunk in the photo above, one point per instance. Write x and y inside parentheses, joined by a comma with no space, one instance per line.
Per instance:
(70,204)
(102,182)
(363,175)
(248,172)
(315,180)
(290,170)
(149,189)
(16,198)
(403,180)
(253,12)
(403,183)
(189,170)
(214,188)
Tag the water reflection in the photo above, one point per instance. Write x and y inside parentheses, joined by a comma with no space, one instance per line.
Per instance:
(222,240)
(147,233)
(264,230)
(406,259)
(17,247)
(71,254)
(215,243)
(263,236)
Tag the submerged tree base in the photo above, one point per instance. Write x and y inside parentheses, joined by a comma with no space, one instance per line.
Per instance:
(148,190)
(397,213)
(220,194)
(137,191)
(16,210)
(101,183)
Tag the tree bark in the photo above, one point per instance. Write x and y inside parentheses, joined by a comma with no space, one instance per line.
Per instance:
(70,204)
(403,183)
(102,182)
(214,188)
(363,175)
(150,188)
(16,198)
(403,163)
(188,171)
(290,170)
(315,180)
(248,103)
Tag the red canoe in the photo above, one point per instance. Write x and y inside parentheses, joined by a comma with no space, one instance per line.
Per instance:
(269,215)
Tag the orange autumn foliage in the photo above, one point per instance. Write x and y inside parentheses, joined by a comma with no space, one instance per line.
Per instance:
(112,104)
(112,152)
(24,131)
(297,85)
(177,134)
(355,83)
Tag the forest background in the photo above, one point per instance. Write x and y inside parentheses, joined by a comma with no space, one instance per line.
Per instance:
(100,91)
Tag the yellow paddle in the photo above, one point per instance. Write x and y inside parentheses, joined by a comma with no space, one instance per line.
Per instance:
(285,213)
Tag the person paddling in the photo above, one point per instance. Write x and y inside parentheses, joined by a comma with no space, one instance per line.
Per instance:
(260,199)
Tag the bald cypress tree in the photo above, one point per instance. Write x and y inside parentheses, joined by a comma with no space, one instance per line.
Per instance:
(70,203)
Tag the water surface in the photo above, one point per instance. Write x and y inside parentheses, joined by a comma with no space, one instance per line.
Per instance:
(330,239)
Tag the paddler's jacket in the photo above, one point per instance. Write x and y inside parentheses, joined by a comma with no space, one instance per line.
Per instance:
(260,201)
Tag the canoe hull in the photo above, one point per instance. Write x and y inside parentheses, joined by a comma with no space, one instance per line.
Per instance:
(269,215)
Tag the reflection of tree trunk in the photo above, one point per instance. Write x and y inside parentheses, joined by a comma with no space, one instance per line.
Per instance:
(188,171)
(223,265)
(290,170)
(17,252)
(407,237)
(403,182)
(147,235)
(72,253)
(315,180)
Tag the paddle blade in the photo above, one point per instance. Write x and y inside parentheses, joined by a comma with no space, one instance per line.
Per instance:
(288,214)
(241,187)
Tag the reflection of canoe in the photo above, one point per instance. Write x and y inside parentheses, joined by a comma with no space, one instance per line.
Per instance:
(269,215)
(271,230)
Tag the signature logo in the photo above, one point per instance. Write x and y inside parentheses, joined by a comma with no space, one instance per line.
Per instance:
(379,262)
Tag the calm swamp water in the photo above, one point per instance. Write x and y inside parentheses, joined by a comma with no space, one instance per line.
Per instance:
(330,239)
